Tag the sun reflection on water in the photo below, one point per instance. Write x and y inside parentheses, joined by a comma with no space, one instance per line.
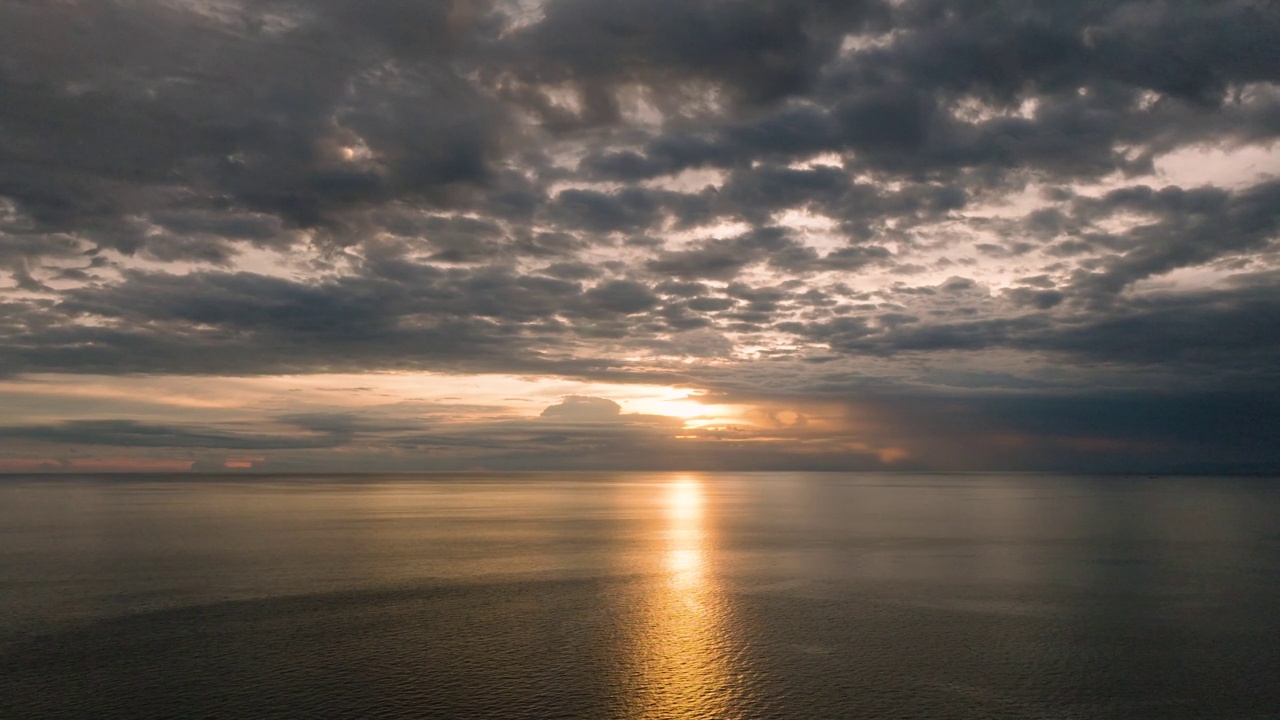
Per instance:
(685,662)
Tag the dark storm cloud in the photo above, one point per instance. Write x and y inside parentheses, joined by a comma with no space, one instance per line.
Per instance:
(260,107)
(723,259)
(1230,336)
(605,212)
(1190,227)
(1109,432)
(756,52)
(618,297)
(302,110)
(1235,331)
(395,315)
(1085,65)
(788,130)
(247,323)
(112,110)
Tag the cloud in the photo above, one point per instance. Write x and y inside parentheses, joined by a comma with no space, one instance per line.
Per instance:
(128,433)
(584,409)
(802,197)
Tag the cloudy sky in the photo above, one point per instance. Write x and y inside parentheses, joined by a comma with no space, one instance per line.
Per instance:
(689,234)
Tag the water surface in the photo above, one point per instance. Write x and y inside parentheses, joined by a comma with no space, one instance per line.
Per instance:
(769,595)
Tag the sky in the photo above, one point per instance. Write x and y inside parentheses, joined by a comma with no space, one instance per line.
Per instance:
(411,235)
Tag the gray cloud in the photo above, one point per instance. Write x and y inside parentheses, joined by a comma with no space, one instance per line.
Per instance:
(579,407)
(128,433)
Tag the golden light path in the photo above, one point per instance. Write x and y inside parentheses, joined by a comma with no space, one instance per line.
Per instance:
(686,662)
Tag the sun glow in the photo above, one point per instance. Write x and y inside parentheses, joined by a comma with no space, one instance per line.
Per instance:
(686,669)
(684,559)
(689,408)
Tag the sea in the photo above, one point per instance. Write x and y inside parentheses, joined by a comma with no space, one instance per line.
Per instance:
(640,595)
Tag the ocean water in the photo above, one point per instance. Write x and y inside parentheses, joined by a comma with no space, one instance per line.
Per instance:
(697,595)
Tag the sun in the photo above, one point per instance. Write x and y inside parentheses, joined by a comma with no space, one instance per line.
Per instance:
(688,408)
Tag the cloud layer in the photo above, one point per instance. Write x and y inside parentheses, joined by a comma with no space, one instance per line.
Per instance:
(954,234)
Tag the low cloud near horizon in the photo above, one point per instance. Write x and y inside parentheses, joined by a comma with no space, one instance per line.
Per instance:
(611,234)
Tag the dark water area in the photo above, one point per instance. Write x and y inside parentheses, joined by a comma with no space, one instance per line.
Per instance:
(769,595)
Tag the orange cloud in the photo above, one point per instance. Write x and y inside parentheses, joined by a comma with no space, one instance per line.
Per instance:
(891,455)
(27,464)
(130,464)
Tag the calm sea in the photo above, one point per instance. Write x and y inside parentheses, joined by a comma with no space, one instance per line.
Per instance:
(701,595)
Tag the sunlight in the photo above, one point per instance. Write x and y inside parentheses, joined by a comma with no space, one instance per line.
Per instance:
(686,407)
(686,672)
(684,558)
(684,501)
